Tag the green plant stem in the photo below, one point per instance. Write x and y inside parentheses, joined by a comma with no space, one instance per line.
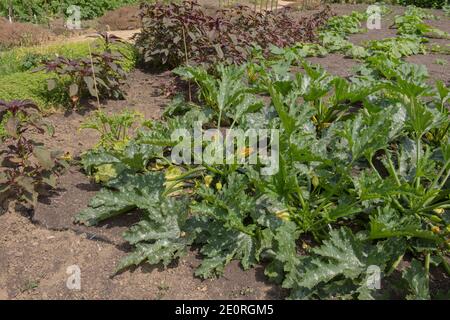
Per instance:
(93,76)
(418,147)
(394,265)
(439,205)
(187,174)
(373,168)
(427,264)
(300,196)
(212,169)
(392,169)
(445,264)
(220,119)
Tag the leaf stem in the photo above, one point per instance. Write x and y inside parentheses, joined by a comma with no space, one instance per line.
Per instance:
(394,265)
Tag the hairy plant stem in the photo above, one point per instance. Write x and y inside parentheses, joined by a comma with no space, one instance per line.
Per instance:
(418,147)
(394,265)
(427,264)
(187,62)
(93,76)
(445,264)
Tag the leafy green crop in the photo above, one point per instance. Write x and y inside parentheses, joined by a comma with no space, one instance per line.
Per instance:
(362,181)
(371,157)
(114,129)
(411,23)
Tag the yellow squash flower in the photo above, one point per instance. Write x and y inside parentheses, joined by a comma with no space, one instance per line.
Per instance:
(283,215)
(435,229)
(208,179)
(66,156)
(246,151)
(105,172)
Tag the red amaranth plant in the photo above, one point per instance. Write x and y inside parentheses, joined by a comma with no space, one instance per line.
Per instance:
(27,168)
(173,34)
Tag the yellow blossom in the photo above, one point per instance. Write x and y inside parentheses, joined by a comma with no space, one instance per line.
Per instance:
(435,229)
(208,179)
(305,246)
(283,215)
(67,156)
(246,151)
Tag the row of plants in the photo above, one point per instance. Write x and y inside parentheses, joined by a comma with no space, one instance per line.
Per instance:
(28,169)
(39,11)
(19,82)
(363,179)
(412,36)
(175,34)
(25,59)
(436,4)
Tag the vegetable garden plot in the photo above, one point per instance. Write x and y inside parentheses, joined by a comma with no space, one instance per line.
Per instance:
(363,169)
(361,189)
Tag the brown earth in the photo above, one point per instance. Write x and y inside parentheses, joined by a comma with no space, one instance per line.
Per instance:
(36,250)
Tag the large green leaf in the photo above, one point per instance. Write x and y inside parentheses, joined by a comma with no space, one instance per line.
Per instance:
(418,282)
(123,194)
(343,255)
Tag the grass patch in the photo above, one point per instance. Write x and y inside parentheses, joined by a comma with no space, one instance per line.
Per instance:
(25,85)
(17,82)
(26,58)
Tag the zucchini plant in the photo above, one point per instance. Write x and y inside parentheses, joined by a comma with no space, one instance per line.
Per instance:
(363,180)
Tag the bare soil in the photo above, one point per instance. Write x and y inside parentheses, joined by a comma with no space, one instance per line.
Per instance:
(36,248)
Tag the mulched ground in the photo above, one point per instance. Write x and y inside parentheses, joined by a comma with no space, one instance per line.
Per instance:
(37,248)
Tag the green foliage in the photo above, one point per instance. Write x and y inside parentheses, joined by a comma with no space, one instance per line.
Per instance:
(373,157)
(226,95)
(21,85)
(397,47)
(346,24)
(363,171)
(412,23)
(417,280)
(24,85)
(16,60)
(114,129)
(341,267)
(424,3)
(446,9)
(42,10)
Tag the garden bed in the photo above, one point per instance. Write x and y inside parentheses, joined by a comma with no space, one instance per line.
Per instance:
(37,246)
